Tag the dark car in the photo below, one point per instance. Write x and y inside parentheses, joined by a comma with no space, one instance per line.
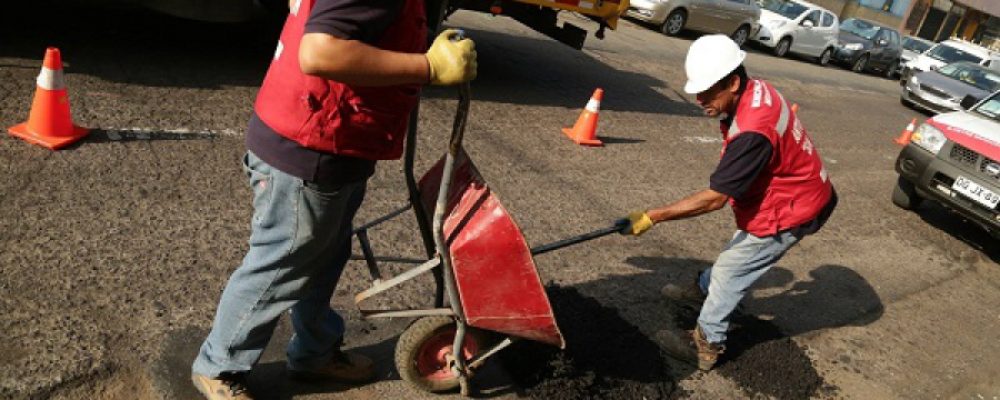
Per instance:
(942,90)
(865,45)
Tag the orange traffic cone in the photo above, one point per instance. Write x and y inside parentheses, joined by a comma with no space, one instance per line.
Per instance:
(585,130)
(904,137)
(49,122)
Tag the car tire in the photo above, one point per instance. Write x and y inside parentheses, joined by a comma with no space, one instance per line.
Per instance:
(905,196)
(890,70)
(781,49)
(824,58)
(675,22)
(860,65)
(741,35)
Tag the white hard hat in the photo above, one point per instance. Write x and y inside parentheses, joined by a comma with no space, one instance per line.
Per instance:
(710,59)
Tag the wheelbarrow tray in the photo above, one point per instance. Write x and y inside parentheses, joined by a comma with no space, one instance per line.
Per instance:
(498,284)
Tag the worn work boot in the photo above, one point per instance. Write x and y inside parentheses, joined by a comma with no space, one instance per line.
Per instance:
(708,353)
(690,295)
(343,367)
(690,347)
(225,387)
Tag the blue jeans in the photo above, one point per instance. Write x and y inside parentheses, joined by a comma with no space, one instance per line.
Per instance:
(745,259)
(299,243)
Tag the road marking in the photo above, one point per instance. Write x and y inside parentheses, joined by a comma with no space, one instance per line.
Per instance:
(701,139)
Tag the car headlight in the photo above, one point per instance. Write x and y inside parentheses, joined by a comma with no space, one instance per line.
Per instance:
(929,138)
(853,46)
(915,81)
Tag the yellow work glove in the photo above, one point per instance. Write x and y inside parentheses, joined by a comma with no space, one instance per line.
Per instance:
(452,59)
(638,223)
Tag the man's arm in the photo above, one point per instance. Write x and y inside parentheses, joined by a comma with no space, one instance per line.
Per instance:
(696,204)
(355,63)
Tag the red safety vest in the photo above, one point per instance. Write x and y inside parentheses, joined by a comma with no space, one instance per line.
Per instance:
(329,116)
(794,186)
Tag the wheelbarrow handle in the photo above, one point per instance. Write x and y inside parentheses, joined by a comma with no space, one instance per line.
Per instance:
(545,248)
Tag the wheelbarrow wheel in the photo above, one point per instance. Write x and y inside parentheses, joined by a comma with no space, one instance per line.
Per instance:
(423,351)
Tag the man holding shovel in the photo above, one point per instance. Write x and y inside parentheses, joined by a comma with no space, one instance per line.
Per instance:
(770,173)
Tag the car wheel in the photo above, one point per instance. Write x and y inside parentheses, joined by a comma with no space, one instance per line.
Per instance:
(905,196)
(782,48)
(741,35)
(860,64)
(891,69)
(824,58)
(675,23)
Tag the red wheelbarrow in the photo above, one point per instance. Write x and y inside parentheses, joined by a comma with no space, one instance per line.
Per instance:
(480,260)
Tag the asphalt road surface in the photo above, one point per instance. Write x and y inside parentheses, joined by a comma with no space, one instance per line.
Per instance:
(113,252)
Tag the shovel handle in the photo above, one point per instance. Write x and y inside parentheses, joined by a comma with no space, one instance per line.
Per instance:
(545,248)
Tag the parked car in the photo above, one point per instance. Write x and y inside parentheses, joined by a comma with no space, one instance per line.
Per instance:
(798,27)
(947,52)
(737,18)
(954,159)
(942,89)
(913,47)
(864,45)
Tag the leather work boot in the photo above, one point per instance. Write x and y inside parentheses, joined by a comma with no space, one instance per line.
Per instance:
(708,353)
(225,387)
(343,367)
(690,347)
(687,294)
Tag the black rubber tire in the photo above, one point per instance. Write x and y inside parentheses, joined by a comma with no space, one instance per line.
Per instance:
(679,17)
(741,35)
(824,58)
(781,49)
(890,70)
(409,345)
(905,196)
(860,65)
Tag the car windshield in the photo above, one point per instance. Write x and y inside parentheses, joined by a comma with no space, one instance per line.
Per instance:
(915,45)
(860,28)
(990,108)
(787,9)
(948,54)
(972,74)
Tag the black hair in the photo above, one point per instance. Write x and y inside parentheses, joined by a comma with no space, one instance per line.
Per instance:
(740,72)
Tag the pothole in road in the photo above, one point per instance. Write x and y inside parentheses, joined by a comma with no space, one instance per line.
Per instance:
(605,357)
(608,357)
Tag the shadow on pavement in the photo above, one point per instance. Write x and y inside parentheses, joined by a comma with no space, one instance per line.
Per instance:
(137,46)
(760,356)
(960,228)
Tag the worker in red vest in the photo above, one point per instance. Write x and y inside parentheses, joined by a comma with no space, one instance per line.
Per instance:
(337,98)
(771,175)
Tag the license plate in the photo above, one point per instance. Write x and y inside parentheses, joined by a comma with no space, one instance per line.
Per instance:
(975,192)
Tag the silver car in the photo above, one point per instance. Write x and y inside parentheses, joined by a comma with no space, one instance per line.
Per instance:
(943,89)
(737,18)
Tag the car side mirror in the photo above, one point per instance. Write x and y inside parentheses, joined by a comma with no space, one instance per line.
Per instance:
(808,23)
(968,101)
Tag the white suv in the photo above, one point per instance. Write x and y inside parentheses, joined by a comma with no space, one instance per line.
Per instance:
(947,52)
(799,27)
(954,159)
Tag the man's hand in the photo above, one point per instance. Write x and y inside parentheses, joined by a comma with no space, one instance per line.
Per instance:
(638,223)
(451,61)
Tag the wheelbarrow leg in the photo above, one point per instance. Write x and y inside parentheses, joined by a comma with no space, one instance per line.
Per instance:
(426,234)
